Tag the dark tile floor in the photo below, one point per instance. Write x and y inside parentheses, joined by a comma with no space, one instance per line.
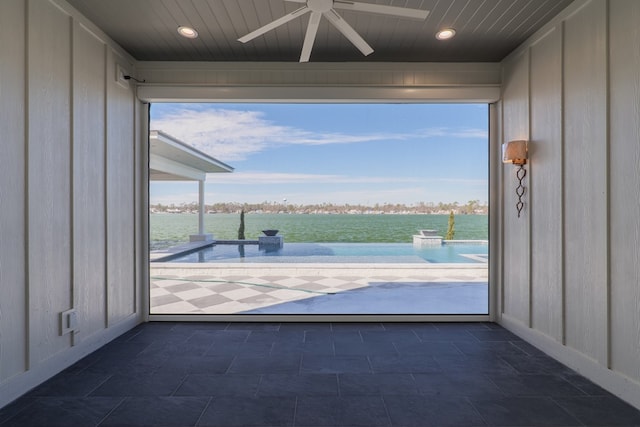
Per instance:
(318,374)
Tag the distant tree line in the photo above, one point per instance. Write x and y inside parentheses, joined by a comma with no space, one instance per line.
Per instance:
(470,208)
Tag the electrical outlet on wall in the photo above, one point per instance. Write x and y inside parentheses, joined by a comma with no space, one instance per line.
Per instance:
(120,76)
(68,321)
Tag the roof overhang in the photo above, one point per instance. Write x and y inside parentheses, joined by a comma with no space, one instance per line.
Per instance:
(172,160)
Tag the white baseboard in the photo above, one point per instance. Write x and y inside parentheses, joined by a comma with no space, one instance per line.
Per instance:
(613,381)
(18,385)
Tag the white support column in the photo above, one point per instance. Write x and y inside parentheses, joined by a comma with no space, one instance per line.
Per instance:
(201,207)
(201,236)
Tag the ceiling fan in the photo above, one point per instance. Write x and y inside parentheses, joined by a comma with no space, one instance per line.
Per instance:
(327,8)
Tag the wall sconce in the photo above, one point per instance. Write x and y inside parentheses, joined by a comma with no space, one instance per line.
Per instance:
(516,152)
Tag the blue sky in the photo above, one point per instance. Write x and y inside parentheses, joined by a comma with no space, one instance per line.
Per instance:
(333,153)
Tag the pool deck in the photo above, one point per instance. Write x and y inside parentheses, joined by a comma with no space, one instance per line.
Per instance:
(329,285)
(178,250)
(318,288)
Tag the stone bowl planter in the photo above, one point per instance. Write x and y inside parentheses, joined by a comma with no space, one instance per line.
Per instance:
(270,232)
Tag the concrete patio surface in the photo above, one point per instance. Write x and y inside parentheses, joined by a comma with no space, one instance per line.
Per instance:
(319,288)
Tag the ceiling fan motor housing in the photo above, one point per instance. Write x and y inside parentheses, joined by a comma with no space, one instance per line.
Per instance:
(320,5)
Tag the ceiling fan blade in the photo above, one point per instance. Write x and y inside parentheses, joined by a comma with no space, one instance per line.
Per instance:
(402,12)
(348,32)
(270,26)
(310,37)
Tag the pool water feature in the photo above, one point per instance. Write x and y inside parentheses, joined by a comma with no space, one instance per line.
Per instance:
(470,253)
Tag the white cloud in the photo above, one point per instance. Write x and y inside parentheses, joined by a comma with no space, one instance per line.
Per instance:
(270,178)
(232,135)
(450,133)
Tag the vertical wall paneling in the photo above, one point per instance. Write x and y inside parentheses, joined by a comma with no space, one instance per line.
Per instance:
(501,208)
(120,196)
(516,234)
(49,36)
(13,350)
(545,151)
(563,158)
(105,196)
(607,303)
(584,124)
(625,186)
(88,180)
(55,74)
(585,180)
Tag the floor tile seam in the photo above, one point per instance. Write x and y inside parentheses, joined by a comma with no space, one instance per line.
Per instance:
(295,411)
(260,378)
(492,382)
(370,365)
(122,400)
(511,343)
(567,410)
(386,411)
(204,410)
(510,365)
(20,411)
(456,344)
(548,374)
(477,411)
(386,408)
(230,365)
(99,385)
(133,336)
(300,363)
(539,398)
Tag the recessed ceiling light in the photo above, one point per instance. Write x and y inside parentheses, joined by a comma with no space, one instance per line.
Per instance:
(445,34)
(187,32)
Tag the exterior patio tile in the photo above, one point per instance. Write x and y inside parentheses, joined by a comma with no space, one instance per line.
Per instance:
(365,411)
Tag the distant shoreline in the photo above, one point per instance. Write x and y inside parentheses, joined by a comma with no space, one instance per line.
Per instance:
(316,213)
(470,208)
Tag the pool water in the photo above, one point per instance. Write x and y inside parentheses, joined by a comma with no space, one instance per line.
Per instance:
(338,253)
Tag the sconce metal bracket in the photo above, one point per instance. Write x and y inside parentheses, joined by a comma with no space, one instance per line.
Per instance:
(520,174)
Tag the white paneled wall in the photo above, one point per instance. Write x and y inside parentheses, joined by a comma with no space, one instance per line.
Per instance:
(13,218)
(89,180)
(49,178)
(572,261)
(585,180)
(624,181)
(68,187)
(545,197)
(516,127)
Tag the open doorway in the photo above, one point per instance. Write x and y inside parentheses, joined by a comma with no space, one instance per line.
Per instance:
(376,209)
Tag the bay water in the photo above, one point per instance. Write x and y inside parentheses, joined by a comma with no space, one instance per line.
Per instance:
(171,229)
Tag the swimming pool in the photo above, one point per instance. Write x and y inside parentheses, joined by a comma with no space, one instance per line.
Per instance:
(338,253)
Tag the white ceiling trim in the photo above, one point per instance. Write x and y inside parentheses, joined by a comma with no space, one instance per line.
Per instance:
(327,82)
(324,94)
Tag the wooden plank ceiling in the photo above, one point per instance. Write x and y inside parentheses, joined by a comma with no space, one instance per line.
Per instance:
(487,30)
